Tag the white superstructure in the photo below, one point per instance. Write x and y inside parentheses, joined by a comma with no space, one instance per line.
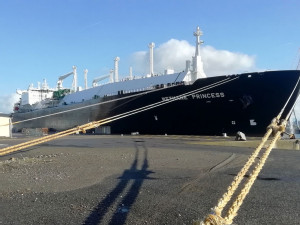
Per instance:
(34,95)
(194,68)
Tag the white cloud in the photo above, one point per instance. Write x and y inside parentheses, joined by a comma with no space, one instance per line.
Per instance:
(169,55)
(7,102)
(222,62)
(173,54)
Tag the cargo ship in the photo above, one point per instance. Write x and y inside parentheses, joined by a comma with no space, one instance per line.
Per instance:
(186,103)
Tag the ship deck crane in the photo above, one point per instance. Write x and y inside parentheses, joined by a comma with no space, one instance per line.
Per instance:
(96,80)
(62,77)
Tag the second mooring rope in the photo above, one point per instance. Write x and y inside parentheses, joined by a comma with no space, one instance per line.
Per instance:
(276,128)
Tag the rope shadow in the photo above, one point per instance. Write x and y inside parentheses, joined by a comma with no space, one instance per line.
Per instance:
(133,174)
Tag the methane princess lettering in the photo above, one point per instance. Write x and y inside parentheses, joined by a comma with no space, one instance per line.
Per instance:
(208,95)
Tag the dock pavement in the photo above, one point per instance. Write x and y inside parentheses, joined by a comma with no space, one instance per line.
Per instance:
(142,179)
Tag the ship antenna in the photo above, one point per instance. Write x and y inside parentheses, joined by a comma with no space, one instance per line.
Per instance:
(198,71)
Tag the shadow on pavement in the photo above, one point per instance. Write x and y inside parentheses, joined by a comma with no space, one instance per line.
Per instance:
(133,175)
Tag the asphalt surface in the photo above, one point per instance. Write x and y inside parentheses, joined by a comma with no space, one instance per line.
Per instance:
(82,179)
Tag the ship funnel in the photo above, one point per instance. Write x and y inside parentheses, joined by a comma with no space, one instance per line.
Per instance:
(151,47)
(116,70)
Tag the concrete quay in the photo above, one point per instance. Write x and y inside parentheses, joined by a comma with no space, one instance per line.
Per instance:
(141,179)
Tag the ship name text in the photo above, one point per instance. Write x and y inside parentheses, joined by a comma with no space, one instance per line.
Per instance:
(174,98)
(196,96)
(208,95)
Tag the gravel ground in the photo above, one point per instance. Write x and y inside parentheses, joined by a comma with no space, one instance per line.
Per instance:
(82,179)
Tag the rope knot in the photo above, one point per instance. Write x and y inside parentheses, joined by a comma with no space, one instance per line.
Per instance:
(277,126)
(79,128)
(84,128)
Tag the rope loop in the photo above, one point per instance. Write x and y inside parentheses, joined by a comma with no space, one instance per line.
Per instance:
(85,127)
(282,126)
(277,125)
(80,129)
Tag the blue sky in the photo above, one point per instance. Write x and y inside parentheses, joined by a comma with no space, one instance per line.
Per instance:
(44,39)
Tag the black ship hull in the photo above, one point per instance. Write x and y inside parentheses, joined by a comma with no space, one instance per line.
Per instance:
(210,106)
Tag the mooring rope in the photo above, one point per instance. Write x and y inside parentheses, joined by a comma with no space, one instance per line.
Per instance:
(277,128)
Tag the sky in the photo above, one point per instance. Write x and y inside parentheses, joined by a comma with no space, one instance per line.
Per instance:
(43,39)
